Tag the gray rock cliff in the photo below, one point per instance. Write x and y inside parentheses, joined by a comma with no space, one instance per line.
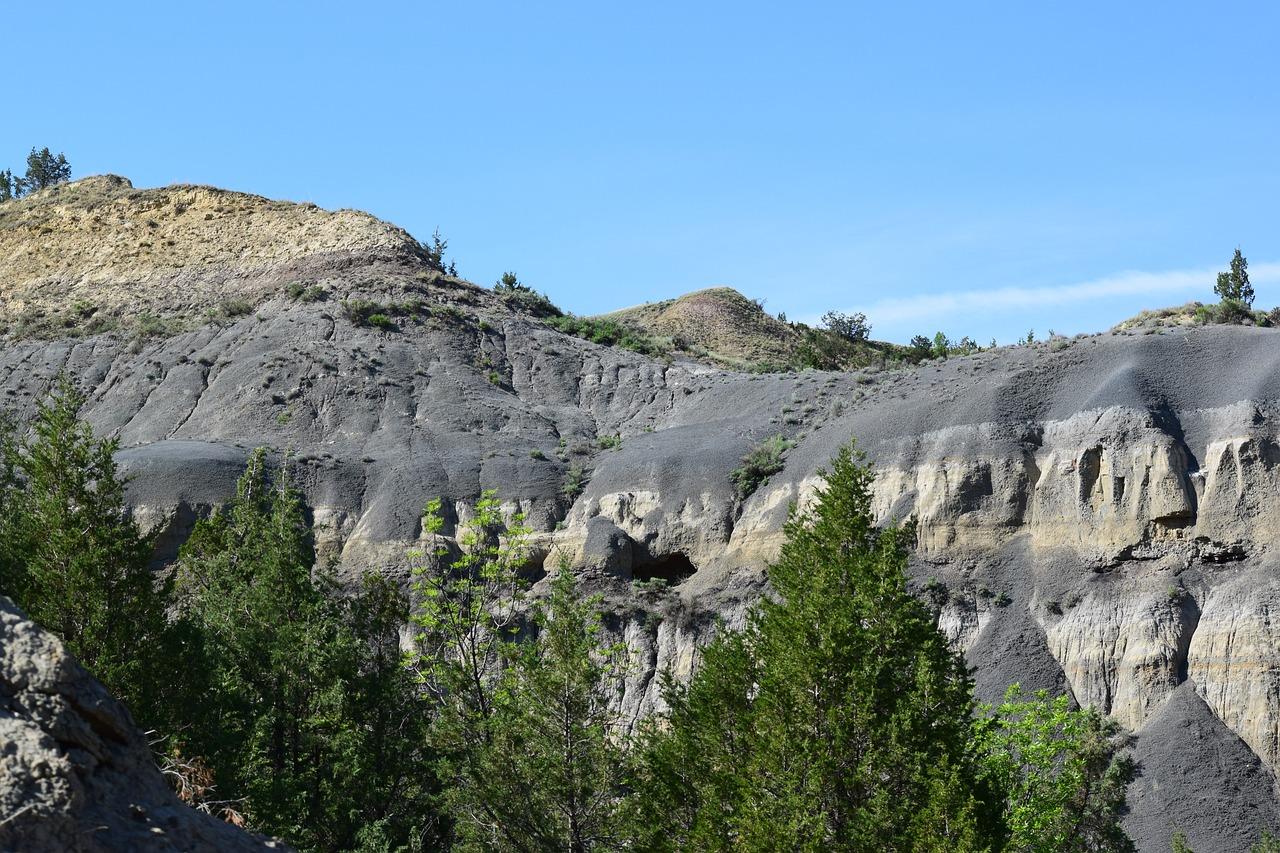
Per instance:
(75,774)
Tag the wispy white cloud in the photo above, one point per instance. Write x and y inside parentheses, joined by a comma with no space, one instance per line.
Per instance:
(1172,283)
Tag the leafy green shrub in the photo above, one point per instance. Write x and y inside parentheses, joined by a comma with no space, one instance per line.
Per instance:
(606,333)
(760,463)
(1234,312)
(235,308)
(1063,772)
(149,325)
(362,312)
(609,442)
(1206,314)
(821,349)
(524,298)
(575,481)
(1227,312)
(301,293)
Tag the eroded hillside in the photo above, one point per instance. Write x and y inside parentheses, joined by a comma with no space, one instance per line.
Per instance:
(1095,515)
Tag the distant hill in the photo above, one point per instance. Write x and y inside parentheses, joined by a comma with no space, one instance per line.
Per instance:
(722,326)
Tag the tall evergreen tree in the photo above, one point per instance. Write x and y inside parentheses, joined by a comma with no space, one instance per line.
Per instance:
(44,169)
(549,774)
(308,715)
(8,185)
(1233,285)
(75,560)
(838,719)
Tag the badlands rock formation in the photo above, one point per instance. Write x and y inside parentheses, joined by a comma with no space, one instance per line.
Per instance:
(75,774)
(1096,515)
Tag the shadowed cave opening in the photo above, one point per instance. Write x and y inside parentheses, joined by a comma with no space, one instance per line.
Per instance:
(534,568)
(675,569)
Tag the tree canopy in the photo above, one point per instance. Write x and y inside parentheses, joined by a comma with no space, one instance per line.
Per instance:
(1233,284)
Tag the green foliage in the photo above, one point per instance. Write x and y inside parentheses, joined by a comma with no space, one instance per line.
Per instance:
(838,719)
(433,254)
(526,299)
(232,308)
(1268,843)
(575,480)
(606,333)
(1233,285)
(302,293)
(852,327)
(465,620)
(548,772)
(761,462)
(822,349)
(920,348)
(609,442)
(362,312)
(1061,772)
(44,169)
(1233,311)
(509,283)
(73,557)
(306,712)
(941,346)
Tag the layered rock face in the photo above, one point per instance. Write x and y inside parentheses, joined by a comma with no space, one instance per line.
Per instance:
(75,773)
(1095,515)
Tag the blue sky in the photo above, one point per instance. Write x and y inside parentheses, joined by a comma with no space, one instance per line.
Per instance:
(980,168)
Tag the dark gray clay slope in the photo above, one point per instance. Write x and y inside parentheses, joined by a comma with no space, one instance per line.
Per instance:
(1197,777)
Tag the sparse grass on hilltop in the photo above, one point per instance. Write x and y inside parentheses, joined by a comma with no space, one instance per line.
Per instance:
(1226,312)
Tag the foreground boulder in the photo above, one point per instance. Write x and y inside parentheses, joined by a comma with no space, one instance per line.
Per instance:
(75,773)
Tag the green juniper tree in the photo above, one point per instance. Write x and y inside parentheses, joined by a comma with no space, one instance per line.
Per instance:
(308,715)
(1233,285)
(837,719)
(44,169)
(9,188)
(74,558)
